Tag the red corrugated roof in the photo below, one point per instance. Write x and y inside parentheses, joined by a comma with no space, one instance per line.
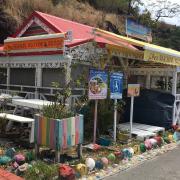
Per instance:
(81,33)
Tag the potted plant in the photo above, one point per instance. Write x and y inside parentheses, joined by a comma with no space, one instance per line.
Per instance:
(57,126)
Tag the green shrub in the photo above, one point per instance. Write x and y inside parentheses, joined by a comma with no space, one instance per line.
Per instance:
(42,171)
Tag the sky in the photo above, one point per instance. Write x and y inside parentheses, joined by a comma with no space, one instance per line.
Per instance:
(174,20)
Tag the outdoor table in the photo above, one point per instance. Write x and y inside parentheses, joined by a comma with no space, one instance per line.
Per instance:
(31,103)
(20,119)
(35,104)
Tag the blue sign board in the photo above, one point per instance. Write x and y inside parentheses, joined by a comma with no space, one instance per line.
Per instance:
(137,30)
(116,85)
(97,84)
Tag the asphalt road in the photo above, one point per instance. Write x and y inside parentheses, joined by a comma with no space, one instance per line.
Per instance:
(164,167)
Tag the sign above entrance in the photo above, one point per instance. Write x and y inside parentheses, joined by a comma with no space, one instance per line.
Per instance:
(35,43)
(137,30)
(161,58)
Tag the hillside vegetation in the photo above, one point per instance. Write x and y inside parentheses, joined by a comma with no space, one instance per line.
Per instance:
(106,14)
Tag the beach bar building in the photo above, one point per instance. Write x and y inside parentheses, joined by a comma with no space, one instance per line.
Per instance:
(45,48)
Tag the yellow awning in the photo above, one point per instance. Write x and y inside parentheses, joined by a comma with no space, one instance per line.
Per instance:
(151,52)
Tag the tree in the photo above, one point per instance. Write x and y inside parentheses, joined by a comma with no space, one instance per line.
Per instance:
(163,8)
(7,25)
(133,6)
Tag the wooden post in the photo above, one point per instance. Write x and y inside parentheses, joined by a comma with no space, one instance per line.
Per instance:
(8,77)
(167,80)
(131,115)
(68,76)
(79,151)
(174,88)
(58,156)
(36,151)
(95,121)
(148,81)
(38,80)
(115,119)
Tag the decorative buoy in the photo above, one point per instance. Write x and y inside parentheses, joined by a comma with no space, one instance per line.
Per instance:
(170,138)
(90,163)
(142,147)
(5,160)
(148,144)
(105,161)
(153,142)
(99,165)
(131,150)
(136,149)
(119,155)
(19,158)
(29,156)
(111,157)
(10,152)
(126,153)
(23,167)
(81,169)
(159,140)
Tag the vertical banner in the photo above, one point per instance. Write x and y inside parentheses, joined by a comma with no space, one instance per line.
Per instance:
(116,85)
(97,84)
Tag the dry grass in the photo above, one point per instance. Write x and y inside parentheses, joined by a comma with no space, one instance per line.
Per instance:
(70,9)
(21,9)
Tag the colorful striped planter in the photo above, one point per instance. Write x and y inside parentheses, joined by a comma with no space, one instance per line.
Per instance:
(58,134)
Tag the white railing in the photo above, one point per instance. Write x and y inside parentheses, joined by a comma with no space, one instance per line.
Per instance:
(32,92)
(33,89)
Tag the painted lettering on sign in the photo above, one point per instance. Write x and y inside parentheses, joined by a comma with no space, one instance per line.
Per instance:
(35,44)
(161,58)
